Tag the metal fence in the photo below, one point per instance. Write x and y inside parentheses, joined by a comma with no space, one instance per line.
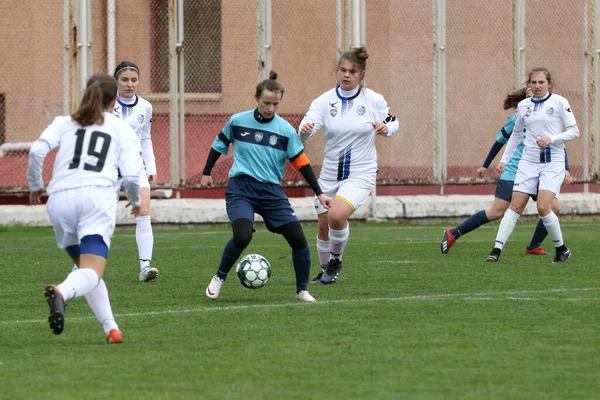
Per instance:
(444,67)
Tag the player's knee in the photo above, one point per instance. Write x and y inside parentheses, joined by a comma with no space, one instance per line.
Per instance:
(543,209)
(294,234)
(93,244)
(242,233)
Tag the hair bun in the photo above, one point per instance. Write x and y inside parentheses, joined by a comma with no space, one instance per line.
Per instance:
(272,75)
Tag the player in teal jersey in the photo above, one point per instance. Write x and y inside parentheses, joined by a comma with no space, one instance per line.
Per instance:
(262,142)
(504,187)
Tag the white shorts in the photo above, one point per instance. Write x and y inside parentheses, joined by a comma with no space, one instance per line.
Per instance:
(353,191)
(533,177)
(82,211)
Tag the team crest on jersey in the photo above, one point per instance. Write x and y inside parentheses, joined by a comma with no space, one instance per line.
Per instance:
(361,110)
(141,118)
(273,140)
(258,136)
(333,112)
(549,110)
(528,113)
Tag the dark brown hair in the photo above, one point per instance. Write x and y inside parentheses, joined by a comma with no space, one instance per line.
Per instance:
(100,92)
(123,65)
(270,84)
(357,55)
(545,71)
(514,98)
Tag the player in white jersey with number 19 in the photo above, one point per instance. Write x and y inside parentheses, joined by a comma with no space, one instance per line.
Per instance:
(137,112)
(92,145)
(350,116)
(550,123)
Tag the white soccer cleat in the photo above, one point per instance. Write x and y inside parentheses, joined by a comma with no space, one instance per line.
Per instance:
(306,297)
(148,274)
(214,287)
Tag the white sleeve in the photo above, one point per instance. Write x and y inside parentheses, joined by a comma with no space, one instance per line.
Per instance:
(314,114)
(515,138)
(49,140)
(147,128)
(148,156)
(568,119)
(37,154)
(389,119)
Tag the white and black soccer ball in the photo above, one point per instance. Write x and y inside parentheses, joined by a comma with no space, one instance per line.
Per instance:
(253,271)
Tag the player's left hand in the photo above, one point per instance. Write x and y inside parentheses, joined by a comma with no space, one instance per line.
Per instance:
(568,179)
(544,141)
(325,200)
(151,178)
(35,198)
(380,128)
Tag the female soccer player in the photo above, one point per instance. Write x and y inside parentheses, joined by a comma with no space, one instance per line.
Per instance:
(504,186)
(541,169)
(137,112)
(92,145)
(262,141)
(350,116)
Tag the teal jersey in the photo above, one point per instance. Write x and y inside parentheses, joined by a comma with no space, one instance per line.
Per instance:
(510,169)
(260,146)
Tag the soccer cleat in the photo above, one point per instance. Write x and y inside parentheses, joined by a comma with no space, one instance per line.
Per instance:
(317,279)
(114,336)
(562,256)
(57,309)
(493,256)
(148,274)
(214,287)
(448,240)
(538,251)
(334,266)
(306,297)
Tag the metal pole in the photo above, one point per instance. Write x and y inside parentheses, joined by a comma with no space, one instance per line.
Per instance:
(111,42)
(338,29)
(89,36)
(520,48)
(355,23)
(440,91)
(66,56)
(586,125)
(181,78)
(82,45)
(173,84)
(596,123)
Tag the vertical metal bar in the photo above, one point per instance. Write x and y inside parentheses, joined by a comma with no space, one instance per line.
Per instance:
(520,45)
(586,125)
(111,42)
(90,38)
(181,78)
(173,104)
(596,123)
(338,28)
(355,23)
(441,169)
(260,16)
(82,45)
(268,38)
(66,56)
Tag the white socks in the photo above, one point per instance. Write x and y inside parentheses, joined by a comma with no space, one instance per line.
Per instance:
(507,225)
(78,283)
(323,250)
(553,227)
(100,305)
(338,241)
(144,239)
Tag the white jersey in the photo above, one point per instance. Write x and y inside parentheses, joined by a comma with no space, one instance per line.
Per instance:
(86,156)
(137,112)
(348,130)
(546,117)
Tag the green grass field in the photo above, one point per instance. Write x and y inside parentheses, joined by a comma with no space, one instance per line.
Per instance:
(403,322)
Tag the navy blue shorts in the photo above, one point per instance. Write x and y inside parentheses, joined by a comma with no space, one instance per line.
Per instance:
(246,196)
(504,190)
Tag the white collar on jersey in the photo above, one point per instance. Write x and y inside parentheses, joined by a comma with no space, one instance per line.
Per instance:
(347,94)
(127,102)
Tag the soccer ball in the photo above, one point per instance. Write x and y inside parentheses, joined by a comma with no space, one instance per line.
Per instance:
(253,271)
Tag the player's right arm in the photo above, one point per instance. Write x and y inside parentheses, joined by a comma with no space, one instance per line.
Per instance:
(220,146)
(130,163)
(48,140)
(313,119)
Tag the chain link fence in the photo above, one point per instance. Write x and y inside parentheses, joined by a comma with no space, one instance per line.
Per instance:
(444,68)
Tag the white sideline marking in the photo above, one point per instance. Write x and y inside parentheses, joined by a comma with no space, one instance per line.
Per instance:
(399,262)
(465,296)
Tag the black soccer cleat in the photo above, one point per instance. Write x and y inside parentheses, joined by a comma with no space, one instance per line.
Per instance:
(562,256)
(57,309)
(334,266)
(317,279)
(493,256)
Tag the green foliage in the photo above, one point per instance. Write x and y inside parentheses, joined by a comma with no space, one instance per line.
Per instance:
(403,321)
